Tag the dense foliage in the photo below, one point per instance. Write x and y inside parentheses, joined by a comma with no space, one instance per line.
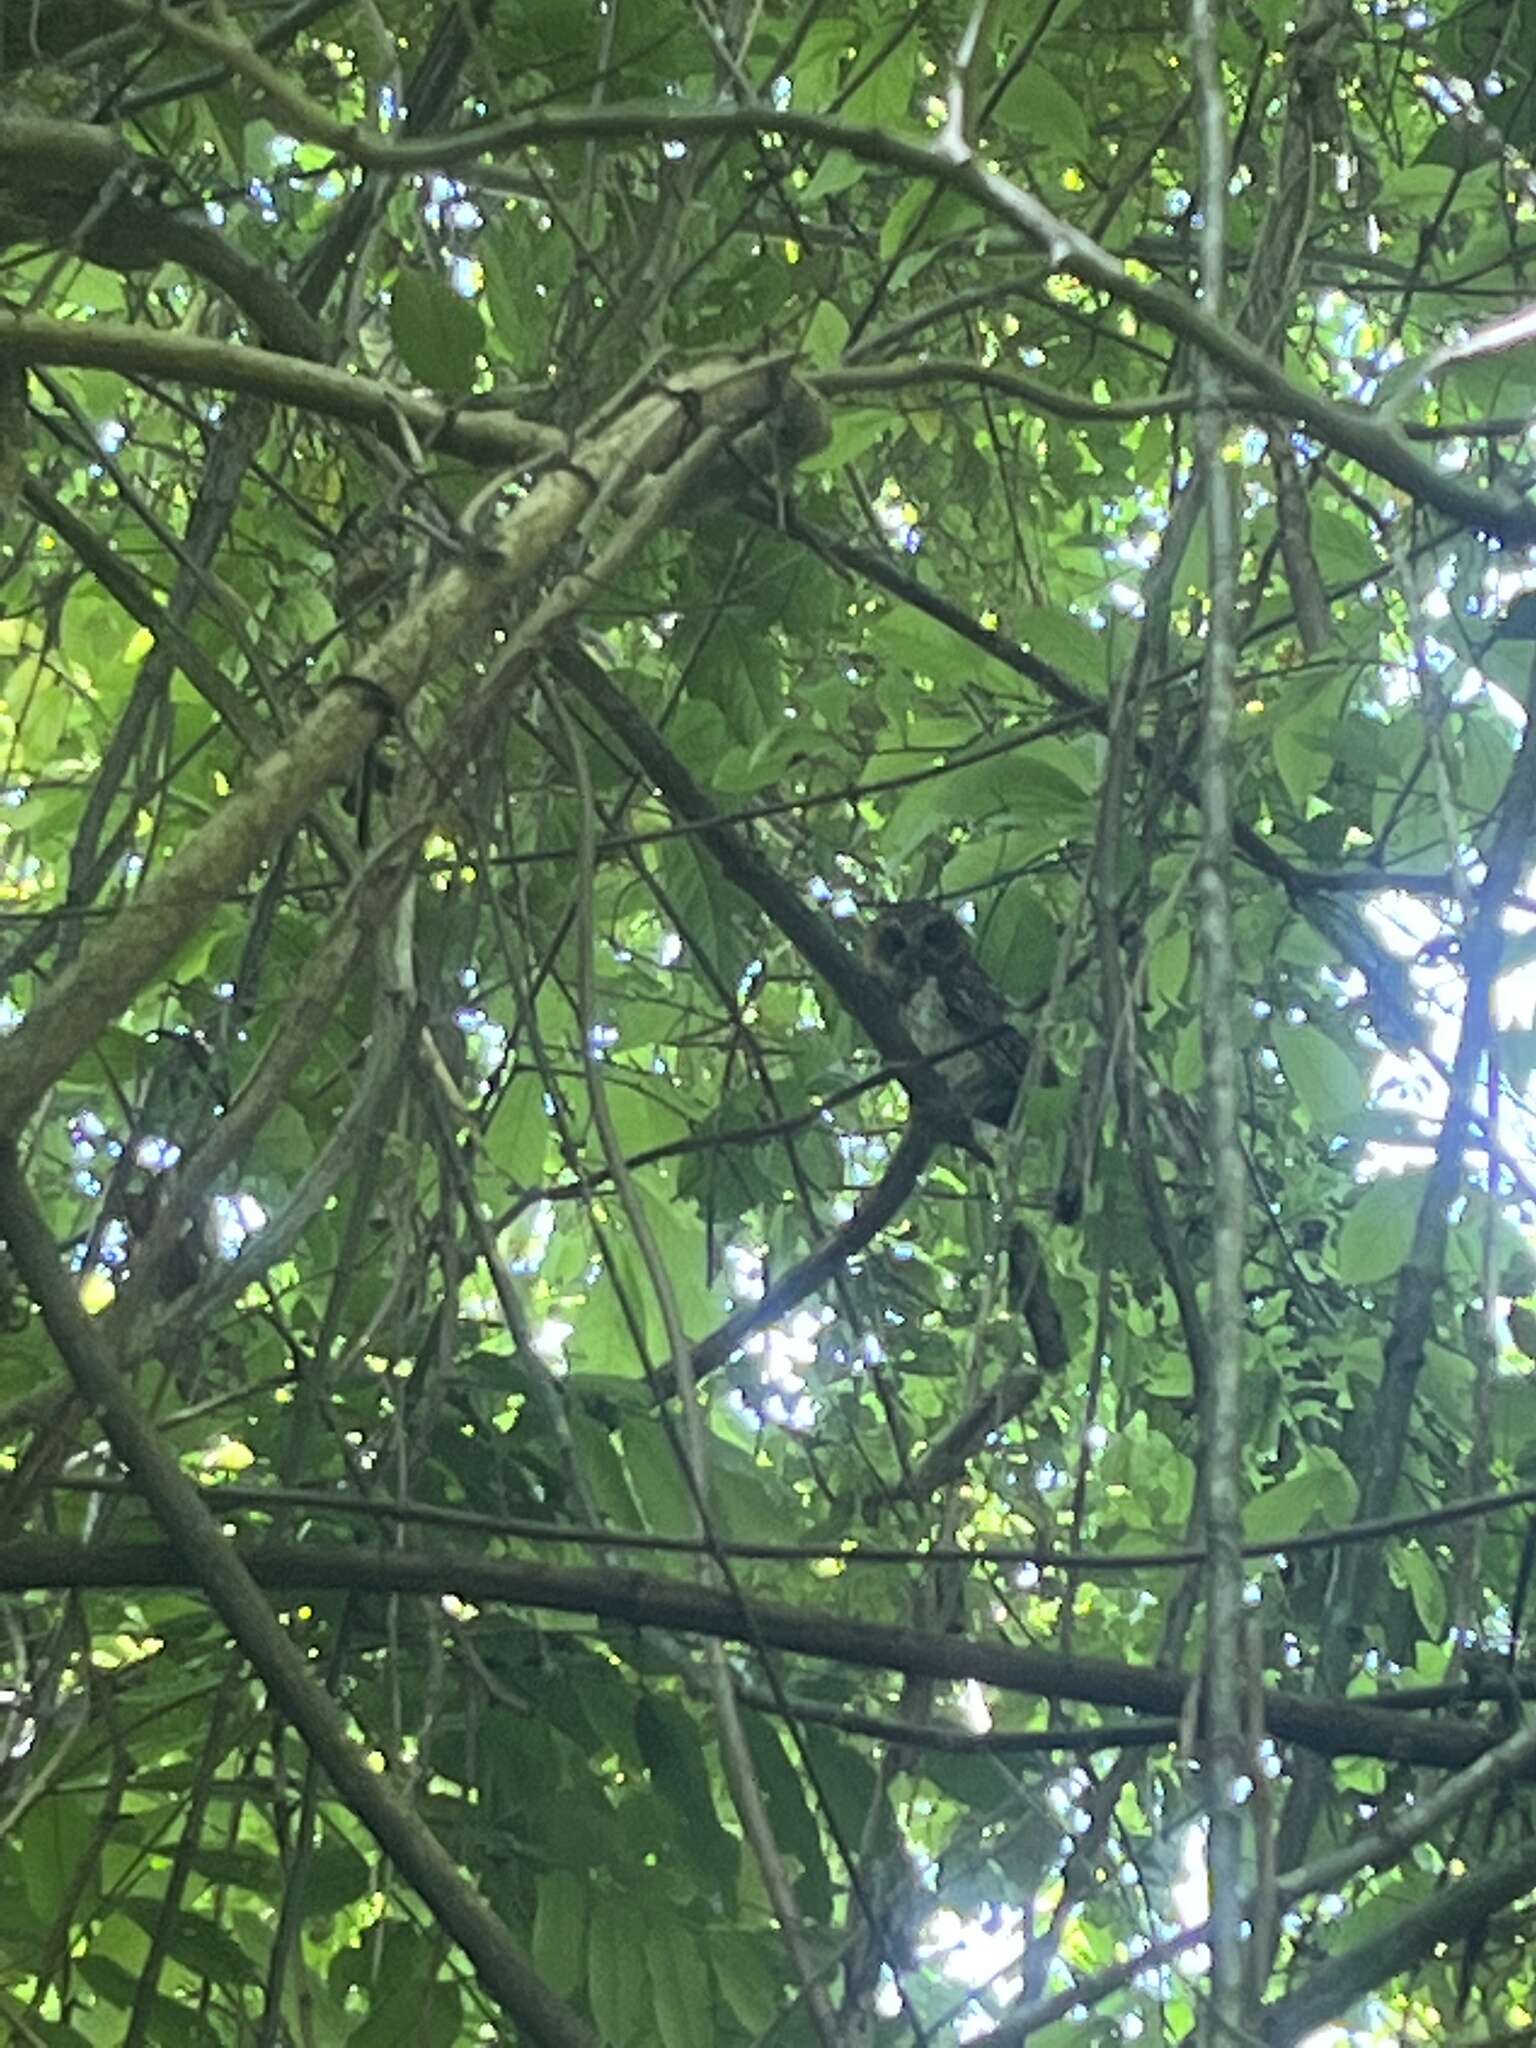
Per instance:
(559,1487)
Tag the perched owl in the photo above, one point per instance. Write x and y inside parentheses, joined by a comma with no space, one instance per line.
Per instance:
(926,959)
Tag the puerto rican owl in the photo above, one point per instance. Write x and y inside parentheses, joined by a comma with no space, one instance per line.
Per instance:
(924,956)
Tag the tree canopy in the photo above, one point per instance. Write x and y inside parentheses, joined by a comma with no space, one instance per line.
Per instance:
(562,1484)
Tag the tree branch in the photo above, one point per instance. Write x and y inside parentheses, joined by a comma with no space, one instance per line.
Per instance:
(1334,1727)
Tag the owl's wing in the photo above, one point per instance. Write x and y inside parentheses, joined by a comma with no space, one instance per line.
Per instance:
(974,1004)
(997,1065)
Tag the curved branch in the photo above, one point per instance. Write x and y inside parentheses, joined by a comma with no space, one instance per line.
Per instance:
(1030,391)
(494,440)
(879,1207)
(860,992)
(76,183)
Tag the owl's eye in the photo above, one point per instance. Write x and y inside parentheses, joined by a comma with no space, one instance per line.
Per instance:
(892,943)
(941,935)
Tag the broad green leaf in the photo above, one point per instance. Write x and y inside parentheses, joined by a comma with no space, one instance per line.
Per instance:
(679,1985)
(1062,640)
(884,98)
(174,2024)
(924,644)
(602,1469)
(1303,757)
(836,172)
(1036,107)
(1328,1083)
(1411,1567)
(430,2017)
(437,333)
(560,1931)
(338,1876)
(674,1756)
(852,433)
(55,1836)
(794,1825)
(1319,1490)
(517,1134)
(656,1474)
(1018,943)
(616,1974)
(1378,1230)
(1344,550)
(1488,754)
(1007,785)
(748,1982)
(201,1944)
(1168,966)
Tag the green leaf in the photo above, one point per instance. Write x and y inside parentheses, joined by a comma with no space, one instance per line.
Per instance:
(1378,1230)
(601,1467)
(439,335)
(1411,1567)
(884,98)
(1327,1082)
(669,1743)
(174,2024)
(560,1931)
(748,1984)
(1062,640)
(825,339)
(1018,943)
(1487,756)
(836,172)
(1303,758)
(430,2017)
(795,1827)
(1345,551)
(908,209)
(1010,785)
(1038,110)
(852,433)
(656,1474)
(617,1986)
(680,1986)
(54,1835)
(1168,966)
(1319,1490)
(517,1134)
(923,644)
(338,1876)
(201,1944)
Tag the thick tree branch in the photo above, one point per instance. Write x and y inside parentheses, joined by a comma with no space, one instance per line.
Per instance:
(490,439)
(70,181)
(1329,1727)
(1451,1915)
(812,933)
(458,611)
